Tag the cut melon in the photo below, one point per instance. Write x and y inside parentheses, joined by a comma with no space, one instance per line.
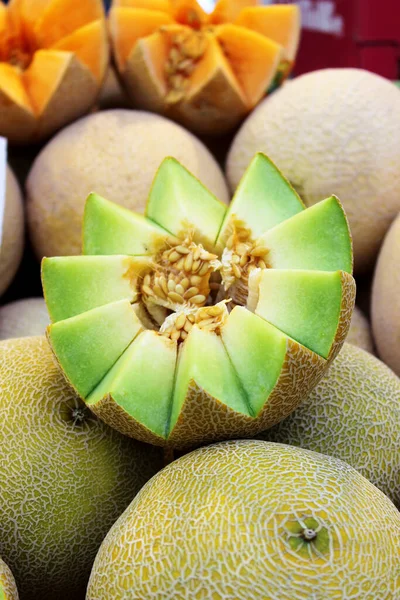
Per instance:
(53,57)
(198,339)
(210,70)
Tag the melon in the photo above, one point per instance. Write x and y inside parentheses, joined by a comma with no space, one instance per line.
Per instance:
(333,130)
(360,331)
(238,311)
(385,306)
(23,318)
(65,475)
(53,58)
(11,230)
(115,153)
(8,589)
(206,71)
(252,519)
(352,414)
(112,95)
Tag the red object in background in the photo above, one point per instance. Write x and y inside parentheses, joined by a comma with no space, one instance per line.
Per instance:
(350,33)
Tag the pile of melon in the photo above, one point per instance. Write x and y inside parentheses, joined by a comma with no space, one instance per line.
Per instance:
(190,403)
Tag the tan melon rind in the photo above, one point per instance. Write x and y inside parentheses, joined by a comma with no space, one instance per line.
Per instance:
(17,123)
(7,582)
(346,311)
(12,245)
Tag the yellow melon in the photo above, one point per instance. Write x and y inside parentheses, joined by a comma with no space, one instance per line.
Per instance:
(252,519)
(206,71)
(386,299)
(8,589)
(333,130)
(114,153)
(53,57)
(65,476)
(11,232)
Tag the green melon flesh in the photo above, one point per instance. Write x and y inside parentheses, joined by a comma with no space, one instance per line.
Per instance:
(112,229)
(2,593)
(263,199)
(257,351)
(76,284)
(88,345)
(133,384)
(316,239)
(204,360)
(303,304)
(178,201)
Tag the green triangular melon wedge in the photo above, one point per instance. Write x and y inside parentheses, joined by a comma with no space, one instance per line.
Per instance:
(306,305)
(179,202)
(317,239)
(88,345)
(204,365)
(143,397)
(263,199)
(112,229)
(76,284)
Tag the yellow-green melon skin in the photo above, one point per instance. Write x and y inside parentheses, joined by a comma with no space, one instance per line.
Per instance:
(360,331)
(12,243)
(222,523)
(23,318)
(65,476)
(333,131)
(352,414)
(386,299)
(8,588)
(115,153)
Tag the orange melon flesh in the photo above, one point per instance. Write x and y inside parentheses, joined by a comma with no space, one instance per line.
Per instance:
(162,5)
(226,11)
(85,44)
(43,76)
(189,12)
(63,17)
(128,25)
(12,86)
(278,23)
(254,59)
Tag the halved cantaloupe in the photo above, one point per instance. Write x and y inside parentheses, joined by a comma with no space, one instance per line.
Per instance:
(53,57)
(196,322)
(205,71)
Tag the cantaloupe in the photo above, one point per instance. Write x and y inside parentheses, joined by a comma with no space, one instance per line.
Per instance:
(206,71)
(360,331)
(196,322)
(114,153)
(252,519)
(65,476)
(8,588)
(23,318)
(53,58)
(352,414)
(11,229)
(112,94)
(333,130)
(386,299)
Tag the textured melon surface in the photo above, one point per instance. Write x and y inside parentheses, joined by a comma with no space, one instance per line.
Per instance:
(65,475)
(332,131)
(252,519)
(360,331)
(12,238)
(200,339)
(352,414)
(8,588)
(53,58)
(386,299)
(206,71)
(23,318)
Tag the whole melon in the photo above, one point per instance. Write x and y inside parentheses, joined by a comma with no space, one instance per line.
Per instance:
(333,131)
(116,154)
(360,331)
(23,318)
(8,588)
(386,299)
(252,520)
(352,414)
(12,236)
(65,476)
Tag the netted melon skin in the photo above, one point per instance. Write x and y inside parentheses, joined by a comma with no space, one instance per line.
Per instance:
(224,514)
(8,588)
